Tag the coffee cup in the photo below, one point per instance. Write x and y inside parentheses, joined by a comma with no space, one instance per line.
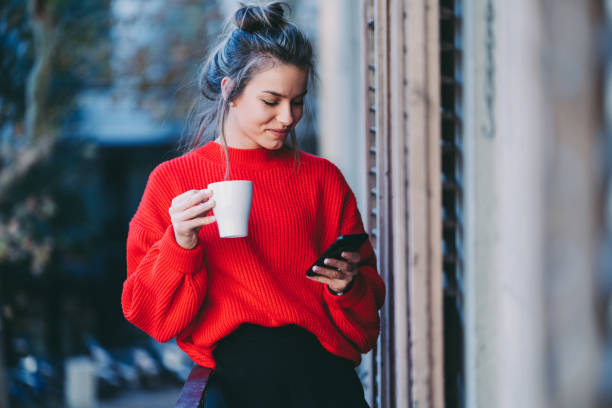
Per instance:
(232,208)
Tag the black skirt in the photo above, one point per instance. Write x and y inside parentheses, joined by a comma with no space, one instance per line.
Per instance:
(280,367)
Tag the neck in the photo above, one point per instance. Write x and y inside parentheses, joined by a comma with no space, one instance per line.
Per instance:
(231,132)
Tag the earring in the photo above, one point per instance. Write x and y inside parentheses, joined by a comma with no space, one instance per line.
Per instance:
(232,104)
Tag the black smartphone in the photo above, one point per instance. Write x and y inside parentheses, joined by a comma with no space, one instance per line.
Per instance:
(344,243)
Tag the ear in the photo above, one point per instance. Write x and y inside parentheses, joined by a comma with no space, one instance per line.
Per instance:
(226,87)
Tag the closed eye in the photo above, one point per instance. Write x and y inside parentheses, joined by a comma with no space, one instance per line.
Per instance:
(294,103)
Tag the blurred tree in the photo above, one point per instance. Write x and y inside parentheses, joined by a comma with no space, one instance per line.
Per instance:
(157,51)
(40,75)
(52,48)
(50,52)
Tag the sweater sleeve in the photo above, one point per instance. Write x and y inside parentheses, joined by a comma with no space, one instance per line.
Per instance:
(165,283)
(356,312)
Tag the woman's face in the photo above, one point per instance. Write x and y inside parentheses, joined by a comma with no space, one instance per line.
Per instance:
(268,108)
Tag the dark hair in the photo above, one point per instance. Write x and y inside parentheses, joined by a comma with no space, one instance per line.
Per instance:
(256,38)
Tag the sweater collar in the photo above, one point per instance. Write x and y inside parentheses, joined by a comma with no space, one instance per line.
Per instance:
(253,158)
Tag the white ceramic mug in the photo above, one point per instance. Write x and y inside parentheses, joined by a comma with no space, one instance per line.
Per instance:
(232,207)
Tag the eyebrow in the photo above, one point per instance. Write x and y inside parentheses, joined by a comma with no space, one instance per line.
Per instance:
(285,96)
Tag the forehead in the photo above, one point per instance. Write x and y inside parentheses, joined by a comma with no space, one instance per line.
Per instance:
(284,79)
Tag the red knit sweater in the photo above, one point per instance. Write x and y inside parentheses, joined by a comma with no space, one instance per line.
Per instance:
(203,294)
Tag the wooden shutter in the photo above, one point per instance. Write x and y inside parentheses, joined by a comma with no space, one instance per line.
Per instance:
(377,164)
(403,209)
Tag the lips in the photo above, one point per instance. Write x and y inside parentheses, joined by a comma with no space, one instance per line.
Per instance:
(279,132)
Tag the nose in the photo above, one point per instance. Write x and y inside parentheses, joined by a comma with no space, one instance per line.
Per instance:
(285,115)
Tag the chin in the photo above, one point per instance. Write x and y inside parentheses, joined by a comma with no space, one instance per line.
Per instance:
(275,145)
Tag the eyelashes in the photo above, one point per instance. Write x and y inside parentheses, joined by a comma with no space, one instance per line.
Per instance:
(296,103)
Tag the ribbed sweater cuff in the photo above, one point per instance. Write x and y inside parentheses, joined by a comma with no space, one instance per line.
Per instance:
(350,298)
(180,259)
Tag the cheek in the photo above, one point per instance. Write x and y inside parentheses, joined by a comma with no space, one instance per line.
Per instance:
(253,116)
(259,113)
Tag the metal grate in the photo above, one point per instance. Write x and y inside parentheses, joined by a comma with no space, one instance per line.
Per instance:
(452,200)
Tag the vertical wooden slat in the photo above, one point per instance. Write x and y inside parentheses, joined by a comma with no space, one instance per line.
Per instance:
(370,115)
(399,207)
(384,218)
(420,121)
(604,397)
(376,13)
(370,219)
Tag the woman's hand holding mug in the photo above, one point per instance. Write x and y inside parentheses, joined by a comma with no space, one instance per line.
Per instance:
(186,214)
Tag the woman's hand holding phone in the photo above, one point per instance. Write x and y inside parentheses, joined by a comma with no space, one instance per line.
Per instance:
(340,273)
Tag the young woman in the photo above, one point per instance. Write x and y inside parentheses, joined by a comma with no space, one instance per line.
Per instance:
(244,306)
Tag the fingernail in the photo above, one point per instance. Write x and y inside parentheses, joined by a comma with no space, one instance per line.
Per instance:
(326,261)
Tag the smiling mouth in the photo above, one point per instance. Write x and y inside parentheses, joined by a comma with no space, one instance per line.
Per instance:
(281,133)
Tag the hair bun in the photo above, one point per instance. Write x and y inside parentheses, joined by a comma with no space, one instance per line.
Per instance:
(253,18)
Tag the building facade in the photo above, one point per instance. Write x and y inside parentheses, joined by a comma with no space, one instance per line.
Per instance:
(485,186)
